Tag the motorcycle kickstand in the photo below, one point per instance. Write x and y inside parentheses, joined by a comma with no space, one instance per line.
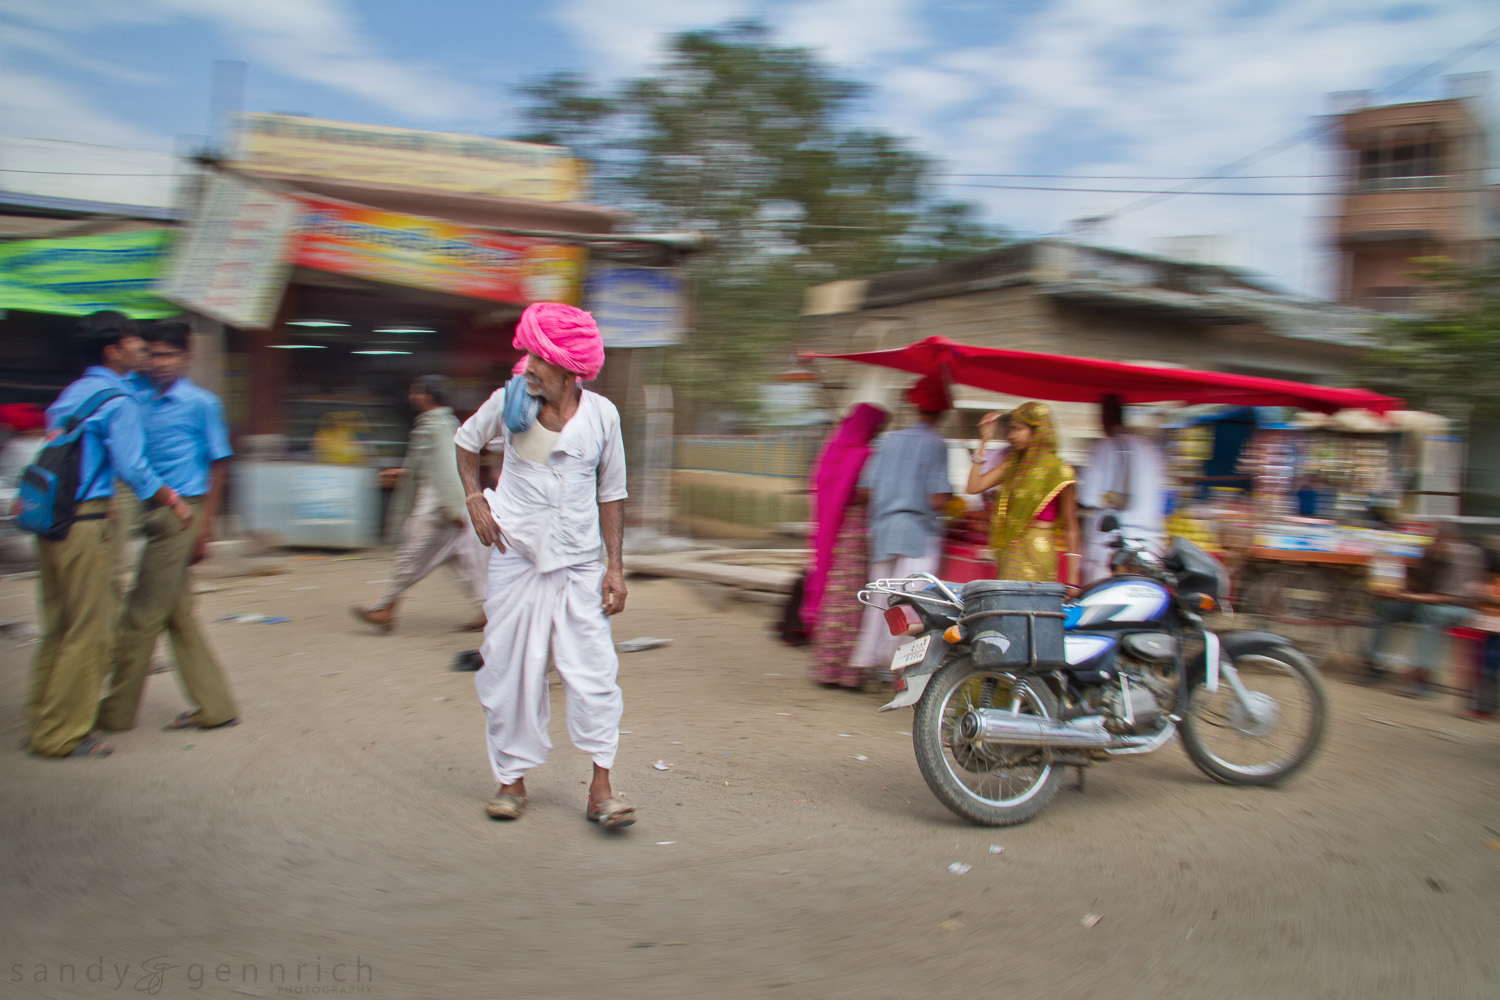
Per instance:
(1079,787)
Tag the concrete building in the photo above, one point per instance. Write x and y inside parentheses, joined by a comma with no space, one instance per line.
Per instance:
(1414,186)
(1058,297)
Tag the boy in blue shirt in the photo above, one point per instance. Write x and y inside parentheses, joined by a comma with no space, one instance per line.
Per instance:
(78,605)
(187,443)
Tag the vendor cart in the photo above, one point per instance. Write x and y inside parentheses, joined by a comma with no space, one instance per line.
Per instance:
(1305,512)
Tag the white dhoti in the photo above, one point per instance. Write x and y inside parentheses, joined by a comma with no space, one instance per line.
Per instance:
(530,617)
(876,645)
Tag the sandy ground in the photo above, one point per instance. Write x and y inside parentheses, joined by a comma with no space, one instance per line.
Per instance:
(336,837)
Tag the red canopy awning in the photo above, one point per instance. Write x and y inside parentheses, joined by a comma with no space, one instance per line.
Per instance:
(1083,380)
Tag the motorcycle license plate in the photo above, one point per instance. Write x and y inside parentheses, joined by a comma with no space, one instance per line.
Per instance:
(911,653)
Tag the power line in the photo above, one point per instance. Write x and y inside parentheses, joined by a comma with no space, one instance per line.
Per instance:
(1221,194)
(1310,132)
(1142,177)
(79,173)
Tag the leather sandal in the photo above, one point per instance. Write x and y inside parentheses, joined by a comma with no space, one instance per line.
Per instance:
(506,805)
(384,619)
(91,746)
(189,720)
(611,814)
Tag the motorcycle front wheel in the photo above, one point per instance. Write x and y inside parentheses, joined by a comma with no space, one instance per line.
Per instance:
(1270,733)
(989,785)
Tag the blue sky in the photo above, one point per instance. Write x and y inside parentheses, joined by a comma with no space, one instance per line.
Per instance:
(1130,94)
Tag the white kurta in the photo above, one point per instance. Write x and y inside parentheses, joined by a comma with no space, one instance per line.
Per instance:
(1134,468)
(544,598)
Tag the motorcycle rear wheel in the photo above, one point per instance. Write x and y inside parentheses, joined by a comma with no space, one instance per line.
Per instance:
(1272,742)
(991,786)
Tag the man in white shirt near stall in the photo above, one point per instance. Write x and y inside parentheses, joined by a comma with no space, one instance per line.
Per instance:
(1125,476)
(558,504)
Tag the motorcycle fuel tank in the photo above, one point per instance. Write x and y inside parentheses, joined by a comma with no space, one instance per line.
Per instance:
(1089,659)
(1120,602)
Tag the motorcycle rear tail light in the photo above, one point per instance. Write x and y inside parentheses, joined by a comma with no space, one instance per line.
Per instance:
(904,620)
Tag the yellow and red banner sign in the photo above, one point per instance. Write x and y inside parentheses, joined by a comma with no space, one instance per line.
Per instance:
(428,253)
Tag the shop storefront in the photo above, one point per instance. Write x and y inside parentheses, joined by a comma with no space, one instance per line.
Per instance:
(345,260)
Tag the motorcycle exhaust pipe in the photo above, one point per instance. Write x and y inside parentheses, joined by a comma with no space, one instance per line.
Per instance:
(998,725)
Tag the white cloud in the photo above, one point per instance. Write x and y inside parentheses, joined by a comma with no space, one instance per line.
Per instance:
(1172,88)
(53,48)
(853,32)
(625,36)
(318,41)
(45,107)
(321,41)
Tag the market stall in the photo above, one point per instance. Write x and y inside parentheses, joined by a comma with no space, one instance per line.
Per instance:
(1309,513)
(1248,513)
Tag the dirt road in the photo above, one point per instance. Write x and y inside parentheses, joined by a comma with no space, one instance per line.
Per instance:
(334,843)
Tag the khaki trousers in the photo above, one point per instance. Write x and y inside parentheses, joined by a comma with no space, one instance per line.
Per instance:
(125,516)
(78,624)
(162,600)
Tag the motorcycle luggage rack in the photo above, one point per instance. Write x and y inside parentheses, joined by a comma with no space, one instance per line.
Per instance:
(898,587)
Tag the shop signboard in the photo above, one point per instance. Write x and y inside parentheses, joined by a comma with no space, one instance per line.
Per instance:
(636,306)
(410,158)
(83,274)
(232,262)
(429,253)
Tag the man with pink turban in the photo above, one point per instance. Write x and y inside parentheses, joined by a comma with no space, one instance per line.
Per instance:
(558,507)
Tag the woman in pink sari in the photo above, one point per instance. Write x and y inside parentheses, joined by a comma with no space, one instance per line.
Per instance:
(840,547)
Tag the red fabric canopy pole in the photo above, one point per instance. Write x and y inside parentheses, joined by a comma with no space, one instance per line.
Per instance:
(1084,380)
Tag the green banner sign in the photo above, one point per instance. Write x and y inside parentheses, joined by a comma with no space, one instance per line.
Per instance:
(83,274)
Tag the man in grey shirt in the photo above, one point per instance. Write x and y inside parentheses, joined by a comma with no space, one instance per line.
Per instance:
(907,479)
(429,507)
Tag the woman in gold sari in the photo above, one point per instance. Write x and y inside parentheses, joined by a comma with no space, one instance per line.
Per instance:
(1035,514)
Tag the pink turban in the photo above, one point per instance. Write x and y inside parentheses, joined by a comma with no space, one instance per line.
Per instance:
(563,335)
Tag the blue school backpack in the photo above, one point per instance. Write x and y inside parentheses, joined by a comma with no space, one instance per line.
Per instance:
(49,486)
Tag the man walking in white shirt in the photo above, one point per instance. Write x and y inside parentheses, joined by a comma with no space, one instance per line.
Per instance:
(558,504)
(1125,476)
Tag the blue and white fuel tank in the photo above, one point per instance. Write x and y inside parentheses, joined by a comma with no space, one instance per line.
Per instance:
(1117,603)
(1100,613)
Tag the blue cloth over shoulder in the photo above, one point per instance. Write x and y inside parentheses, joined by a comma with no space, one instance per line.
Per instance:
(520,408)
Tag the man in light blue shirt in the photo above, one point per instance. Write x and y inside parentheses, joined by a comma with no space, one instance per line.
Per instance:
(187,443)
(908,481)
(77,602)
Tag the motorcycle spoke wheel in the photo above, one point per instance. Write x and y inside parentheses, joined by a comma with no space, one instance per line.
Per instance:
(991,785)
(1269,734)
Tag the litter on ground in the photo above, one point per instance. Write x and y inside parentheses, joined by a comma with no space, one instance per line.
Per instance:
(639,645)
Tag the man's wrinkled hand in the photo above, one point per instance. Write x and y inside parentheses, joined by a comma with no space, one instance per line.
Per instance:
(484,524)
(613,590)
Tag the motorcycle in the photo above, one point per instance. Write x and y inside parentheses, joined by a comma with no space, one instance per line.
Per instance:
(1012,684)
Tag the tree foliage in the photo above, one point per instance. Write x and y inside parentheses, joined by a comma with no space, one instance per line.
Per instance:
(1447,360)
(751,144)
